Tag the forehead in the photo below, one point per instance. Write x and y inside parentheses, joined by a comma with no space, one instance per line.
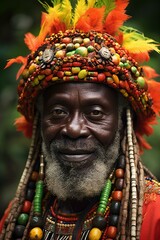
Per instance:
(87,92)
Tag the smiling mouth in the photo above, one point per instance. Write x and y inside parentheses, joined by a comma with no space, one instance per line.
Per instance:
(76,156)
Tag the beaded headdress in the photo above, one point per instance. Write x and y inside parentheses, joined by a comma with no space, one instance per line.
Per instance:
(89,43)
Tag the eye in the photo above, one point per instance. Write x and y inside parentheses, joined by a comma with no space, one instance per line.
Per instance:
(95,114)
(58,112)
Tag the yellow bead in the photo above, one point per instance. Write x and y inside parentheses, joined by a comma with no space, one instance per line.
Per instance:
(95,234)
(82,74)
(36,234)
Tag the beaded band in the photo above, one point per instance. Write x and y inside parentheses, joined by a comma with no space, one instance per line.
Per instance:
(76,56)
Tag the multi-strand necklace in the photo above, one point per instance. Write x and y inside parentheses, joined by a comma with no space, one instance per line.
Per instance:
(101,221)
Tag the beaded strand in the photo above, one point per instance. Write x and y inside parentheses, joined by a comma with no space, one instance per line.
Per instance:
(133,177)
(36,224)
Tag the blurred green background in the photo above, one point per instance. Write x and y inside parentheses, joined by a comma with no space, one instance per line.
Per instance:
(17,18)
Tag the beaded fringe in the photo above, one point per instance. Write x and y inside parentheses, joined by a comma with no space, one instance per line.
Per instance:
(10,222)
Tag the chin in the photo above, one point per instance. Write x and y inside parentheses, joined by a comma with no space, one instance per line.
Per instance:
(78,182)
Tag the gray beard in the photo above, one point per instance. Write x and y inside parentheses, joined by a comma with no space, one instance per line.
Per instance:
(70,182)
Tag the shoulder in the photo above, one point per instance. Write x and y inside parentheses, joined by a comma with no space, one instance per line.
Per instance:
(151,190)
(151,210)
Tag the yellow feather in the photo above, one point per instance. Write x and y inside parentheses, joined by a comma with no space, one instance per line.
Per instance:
(136,42)
(91,3)
(66,12)
(80,9)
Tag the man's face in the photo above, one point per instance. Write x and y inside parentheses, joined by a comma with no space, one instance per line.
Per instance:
(79,123)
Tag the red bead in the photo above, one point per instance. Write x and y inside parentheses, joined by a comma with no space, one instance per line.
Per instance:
(119,173)
(111,232)
(26,207)
(101,77)
(117,195)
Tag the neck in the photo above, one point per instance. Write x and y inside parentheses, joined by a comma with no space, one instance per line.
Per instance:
(70,206)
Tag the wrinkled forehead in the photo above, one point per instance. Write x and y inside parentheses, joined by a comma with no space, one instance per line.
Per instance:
(89,93)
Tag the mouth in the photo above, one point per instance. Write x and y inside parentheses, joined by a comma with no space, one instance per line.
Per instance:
(76,157)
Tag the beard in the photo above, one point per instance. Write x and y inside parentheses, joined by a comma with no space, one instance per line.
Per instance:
(73,181)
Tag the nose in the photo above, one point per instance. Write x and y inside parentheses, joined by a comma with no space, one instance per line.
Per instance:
(75,127)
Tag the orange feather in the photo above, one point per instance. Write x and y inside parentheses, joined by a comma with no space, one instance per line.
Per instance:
(24,126)
(140,57)
(92,19)
(154,90)
(116,17)
(150,72)
(20,59)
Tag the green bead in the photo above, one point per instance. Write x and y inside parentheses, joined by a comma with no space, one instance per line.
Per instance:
(23,219)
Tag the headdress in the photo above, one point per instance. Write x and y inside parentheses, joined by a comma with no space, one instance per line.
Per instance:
(89,43)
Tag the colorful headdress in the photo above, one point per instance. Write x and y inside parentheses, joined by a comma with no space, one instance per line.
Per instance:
(89,43)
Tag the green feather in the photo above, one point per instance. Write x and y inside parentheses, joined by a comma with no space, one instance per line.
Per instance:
(109,4)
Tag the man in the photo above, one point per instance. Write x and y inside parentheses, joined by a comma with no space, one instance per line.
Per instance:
(87,104)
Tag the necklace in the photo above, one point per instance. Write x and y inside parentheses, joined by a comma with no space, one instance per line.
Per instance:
(101,221)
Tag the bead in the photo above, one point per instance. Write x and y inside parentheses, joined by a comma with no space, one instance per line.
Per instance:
(66,40)
(119,183)
(82,51)
(32,68)
(94,234)
(101,77)
(60,54)
(70,47)
(111,232)
(115,207)
(119,173)
(25,73)
(115,79)
(75,70)
(117,195)
(121,162)
(99,222)
(26,207)
(23,219)
(141,82)
(37,221)
(30,194)
(113,220)
(82,74)
(116,59)
(77,40)
(36,234)
(19,230)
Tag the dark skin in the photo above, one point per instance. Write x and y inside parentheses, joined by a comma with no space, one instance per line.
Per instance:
(79,112)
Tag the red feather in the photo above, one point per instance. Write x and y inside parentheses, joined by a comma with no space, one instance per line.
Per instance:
(140,57)
(24,126)
(92,19)
(30,41)
(154,90)
(150,72)
(116,17)
(20,59)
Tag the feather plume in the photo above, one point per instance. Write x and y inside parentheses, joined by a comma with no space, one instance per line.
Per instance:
(91,3)
(30,41)
(24,126)
(109,5)
(150,72)
(21,60)
(116,17)
(92,19)
(135,42)
(80,9)
(66,13)
(154,90)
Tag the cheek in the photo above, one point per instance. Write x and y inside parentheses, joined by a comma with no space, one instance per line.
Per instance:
(105,132)
(49,132)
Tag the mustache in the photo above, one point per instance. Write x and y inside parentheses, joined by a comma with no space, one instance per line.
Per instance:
(80,144)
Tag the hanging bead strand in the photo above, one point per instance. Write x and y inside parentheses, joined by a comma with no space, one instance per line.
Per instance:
(36,225)
(133,176)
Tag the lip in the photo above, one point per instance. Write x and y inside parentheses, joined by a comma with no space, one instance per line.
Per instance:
(77,156)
